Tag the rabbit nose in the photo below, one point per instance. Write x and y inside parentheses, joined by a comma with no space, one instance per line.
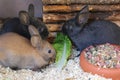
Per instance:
(52,58)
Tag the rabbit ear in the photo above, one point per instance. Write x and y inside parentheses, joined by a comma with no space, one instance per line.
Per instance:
(31,10)
(36,40)
(24,17)
(33,31)
(83,15)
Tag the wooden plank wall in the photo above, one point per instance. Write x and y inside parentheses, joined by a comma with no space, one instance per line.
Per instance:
(56,12)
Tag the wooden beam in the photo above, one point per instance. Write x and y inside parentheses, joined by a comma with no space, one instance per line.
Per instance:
(113,16)
(54,27)
(81,1)
(53,18)
(77,7)
(56,17)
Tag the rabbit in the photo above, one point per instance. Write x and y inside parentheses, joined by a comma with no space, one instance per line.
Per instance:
(84,33)
(20,25)
(17,52)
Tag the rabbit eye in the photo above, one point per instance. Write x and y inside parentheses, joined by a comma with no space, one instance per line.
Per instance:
(49,51)
(41,29)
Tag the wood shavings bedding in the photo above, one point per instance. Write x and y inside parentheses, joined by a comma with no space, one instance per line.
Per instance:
(72,71)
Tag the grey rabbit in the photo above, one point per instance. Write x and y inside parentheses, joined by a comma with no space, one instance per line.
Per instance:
(20,25)
(17,52)
(84,33)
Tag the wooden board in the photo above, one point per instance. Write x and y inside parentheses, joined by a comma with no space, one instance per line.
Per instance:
(81,1)
(57,17)
(77,7)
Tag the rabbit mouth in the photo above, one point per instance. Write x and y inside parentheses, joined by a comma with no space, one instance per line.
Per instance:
(52,60)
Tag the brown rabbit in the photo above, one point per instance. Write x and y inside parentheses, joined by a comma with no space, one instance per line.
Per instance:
(18,52)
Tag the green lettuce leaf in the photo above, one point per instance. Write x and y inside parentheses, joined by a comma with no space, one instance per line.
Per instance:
(62,45)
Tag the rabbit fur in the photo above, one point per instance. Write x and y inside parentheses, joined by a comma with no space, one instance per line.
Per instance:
(84,33)
(18,52)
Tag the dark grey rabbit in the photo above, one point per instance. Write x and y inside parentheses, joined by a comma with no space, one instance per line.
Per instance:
(84,33)
(20,25)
